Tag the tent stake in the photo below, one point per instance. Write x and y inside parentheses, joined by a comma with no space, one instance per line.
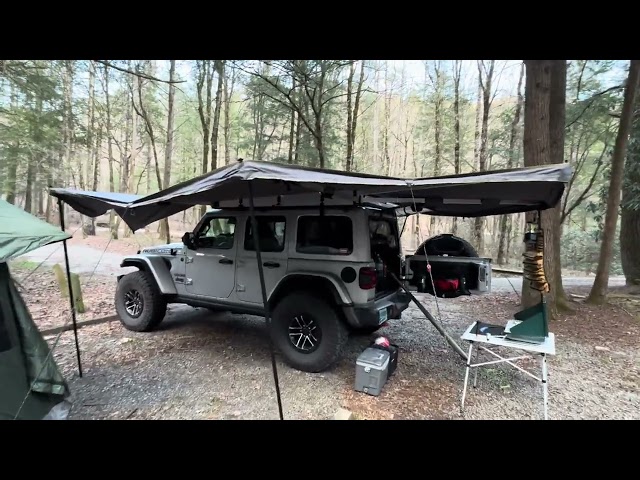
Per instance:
(426,313)
(267,313)
(71,297)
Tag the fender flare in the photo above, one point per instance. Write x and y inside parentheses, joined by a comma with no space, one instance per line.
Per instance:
(157,266)
(299,279)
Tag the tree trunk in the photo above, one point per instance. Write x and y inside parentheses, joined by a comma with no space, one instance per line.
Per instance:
(557,115)
(292,126)
(228,94)
(89,223)
(629,234)
(630,209)
(537,149)
(387,119)
(476,131)
(113,225)
(12,159)
(215,129)
(511,162)
(356,112)
(376,122)
(168,151)
(352,70)
(457,71)
(67,122)
(28,195)
(600,285)
(131,164)
(438,124)
(296,155)
(485,86)
(204,81)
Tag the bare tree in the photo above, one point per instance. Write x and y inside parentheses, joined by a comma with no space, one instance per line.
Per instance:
(215,129)
(353,110)
(89,224)
(317,80)
(600,285)
(107,99)
(505,223)
(228,96)
(485,76)
(457,73)
(436,79)
(204,82)
(168,151)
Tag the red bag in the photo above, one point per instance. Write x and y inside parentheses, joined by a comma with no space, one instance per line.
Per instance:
(446,285)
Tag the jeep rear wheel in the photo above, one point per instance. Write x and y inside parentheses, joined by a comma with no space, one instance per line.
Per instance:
(139,303)
(308,332)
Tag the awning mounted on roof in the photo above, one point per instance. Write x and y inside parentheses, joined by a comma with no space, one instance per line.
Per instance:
(468,195)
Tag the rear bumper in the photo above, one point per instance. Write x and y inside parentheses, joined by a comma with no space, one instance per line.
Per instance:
(369,314)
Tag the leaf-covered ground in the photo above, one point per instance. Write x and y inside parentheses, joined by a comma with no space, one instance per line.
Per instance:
(205,365)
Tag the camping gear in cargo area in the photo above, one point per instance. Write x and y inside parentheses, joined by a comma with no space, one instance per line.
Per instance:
(372,370)
(455,267)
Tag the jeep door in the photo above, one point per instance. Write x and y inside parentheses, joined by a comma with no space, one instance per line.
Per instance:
(211,266)
(273,231)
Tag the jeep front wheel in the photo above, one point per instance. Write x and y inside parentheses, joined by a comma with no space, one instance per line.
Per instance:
(308,332)
(139,303)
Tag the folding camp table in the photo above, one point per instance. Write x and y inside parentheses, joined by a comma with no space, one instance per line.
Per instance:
(548,347)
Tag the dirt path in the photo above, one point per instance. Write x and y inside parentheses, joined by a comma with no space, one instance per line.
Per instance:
(84,259)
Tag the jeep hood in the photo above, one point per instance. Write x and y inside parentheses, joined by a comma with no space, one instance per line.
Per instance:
(164,248)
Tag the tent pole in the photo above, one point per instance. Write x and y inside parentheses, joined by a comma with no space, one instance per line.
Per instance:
(426,313)
(71,302)
(267,313)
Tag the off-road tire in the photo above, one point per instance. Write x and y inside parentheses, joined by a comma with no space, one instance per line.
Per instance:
(334,332)
(154,307)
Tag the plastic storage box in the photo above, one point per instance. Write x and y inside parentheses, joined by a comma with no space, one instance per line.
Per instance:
(393,350)
(372,369)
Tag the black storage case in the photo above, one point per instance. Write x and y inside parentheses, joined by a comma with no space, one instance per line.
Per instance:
(393,355)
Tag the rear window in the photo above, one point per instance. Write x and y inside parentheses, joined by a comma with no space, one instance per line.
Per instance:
(325,235)
(381,232)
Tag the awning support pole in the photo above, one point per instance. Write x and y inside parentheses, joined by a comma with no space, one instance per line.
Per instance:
(267,313)
(72,303)
(426,313)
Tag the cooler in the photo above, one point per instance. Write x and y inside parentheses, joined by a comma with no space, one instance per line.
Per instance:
(372,370)
(393,355)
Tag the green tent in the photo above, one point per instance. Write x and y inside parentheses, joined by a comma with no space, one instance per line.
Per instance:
(32,386)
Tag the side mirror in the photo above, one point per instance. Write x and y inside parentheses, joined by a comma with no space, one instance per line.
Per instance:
(189,240)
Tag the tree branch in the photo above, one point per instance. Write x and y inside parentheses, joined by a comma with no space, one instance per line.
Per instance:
(591,101)
(137,74)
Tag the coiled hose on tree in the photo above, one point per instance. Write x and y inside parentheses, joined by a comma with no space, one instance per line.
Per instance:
(533,264)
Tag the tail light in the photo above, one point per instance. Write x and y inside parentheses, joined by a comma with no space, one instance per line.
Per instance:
(368,278)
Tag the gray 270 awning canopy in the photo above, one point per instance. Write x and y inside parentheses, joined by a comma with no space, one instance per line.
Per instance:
(476,194)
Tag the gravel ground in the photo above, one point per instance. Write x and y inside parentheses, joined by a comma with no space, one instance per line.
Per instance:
(202,365)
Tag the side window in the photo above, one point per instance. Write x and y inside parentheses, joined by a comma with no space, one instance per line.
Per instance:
(218,232)
(326,234)
(271,232)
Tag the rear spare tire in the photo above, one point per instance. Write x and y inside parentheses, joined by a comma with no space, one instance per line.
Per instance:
(139,302)
(308,332)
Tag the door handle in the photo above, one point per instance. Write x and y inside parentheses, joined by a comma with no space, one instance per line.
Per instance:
(271,264)
(226,261)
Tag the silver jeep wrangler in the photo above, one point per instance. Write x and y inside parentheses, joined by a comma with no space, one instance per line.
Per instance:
(326,272)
